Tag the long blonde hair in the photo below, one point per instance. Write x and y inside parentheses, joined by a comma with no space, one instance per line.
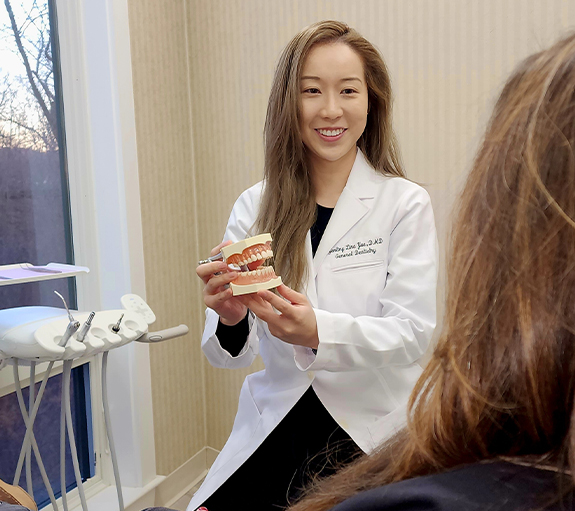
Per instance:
(288,205)
(501,381)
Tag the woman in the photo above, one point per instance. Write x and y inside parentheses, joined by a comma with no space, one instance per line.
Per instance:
(341,352)
(491,422)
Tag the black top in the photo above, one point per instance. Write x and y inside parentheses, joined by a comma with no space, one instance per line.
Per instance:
(233,338)
(318,228)
(493,486)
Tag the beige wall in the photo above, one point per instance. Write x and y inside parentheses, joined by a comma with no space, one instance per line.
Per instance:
(202,72)
(166,167)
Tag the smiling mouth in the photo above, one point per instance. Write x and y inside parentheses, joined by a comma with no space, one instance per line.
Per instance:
(248,257)
(333,133)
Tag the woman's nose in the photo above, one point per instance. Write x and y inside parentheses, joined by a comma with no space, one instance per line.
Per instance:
(331,109)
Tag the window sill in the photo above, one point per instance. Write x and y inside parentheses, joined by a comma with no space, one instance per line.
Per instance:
(102,497)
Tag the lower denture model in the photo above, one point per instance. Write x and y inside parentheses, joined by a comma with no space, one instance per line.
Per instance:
(249,255)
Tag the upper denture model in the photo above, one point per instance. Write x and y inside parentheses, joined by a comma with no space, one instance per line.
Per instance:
(249,256)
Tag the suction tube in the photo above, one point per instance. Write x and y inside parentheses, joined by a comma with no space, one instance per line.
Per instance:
(109,429)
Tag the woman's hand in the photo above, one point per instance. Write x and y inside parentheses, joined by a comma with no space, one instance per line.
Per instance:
(295,323)
(215,276)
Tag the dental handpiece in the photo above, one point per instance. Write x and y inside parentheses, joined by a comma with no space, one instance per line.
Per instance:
(70,331)
(85,327)
(116,327)
(218,257)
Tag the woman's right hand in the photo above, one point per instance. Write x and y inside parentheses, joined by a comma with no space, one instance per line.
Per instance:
(215,276)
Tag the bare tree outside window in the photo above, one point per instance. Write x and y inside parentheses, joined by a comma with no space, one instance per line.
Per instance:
(28,114)
(35,221)
(34,207)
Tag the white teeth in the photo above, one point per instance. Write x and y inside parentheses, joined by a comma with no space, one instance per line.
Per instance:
(331,133)
(259,256)
(253,258)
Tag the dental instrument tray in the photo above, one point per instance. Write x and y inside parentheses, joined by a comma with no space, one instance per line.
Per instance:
(25,272)
(248,257)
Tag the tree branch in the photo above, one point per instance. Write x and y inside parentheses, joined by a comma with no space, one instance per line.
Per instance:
(45,86)
(35,90)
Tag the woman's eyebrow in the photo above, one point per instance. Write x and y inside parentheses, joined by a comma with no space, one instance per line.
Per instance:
(350,79)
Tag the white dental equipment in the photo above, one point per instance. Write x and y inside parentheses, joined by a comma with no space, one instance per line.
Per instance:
(29,335)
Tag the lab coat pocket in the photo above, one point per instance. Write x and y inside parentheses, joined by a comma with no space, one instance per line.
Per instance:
(384,428)
(248,416)
(354,287)
(357,265)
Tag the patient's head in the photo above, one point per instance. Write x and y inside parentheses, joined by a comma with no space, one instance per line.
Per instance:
(501,380)
(503,375)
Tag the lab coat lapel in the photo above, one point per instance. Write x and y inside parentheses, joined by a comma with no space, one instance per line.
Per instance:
(351,207)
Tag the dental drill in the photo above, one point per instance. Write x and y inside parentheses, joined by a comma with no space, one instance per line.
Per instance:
(72,326)
(116,327)
(81,335)
(218,257)
(70,331)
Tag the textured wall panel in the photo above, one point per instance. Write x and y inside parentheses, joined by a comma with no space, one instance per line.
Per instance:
(448,60)
(165,158)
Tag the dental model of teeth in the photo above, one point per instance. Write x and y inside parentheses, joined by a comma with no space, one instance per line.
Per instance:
(251,253)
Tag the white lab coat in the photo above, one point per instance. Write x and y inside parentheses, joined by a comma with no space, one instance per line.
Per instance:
(372,284)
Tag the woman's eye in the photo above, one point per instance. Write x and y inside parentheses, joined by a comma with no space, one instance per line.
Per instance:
(312,90)
(348,91)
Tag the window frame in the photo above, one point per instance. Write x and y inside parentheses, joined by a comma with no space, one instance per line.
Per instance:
(106,217)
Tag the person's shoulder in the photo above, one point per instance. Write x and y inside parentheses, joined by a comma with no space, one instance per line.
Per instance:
(498,486)
(401,186)
(250,197)
(253,191)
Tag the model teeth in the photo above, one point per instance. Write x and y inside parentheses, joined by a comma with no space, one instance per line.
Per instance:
(251,255)
(331,133)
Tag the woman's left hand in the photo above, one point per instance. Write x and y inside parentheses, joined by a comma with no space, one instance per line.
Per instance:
(295,323)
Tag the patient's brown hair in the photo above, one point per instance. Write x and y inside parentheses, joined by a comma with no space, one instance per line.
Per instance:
(288,206)
(501,380)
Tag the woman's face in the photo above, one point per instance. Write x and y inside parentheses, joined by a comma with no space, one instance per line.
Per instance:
(334,102)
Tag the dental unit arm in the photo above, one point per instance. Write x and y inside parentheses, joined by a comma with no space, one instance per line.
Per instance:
(248,257)
(29,335)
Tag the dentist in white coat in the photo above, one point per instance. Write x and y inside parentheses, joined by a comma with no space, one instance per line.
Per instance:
(355,242)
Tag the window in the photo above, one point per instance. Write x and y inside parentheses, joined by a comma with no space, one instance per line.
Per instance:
(101,151)
(34,197)
(36,226)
